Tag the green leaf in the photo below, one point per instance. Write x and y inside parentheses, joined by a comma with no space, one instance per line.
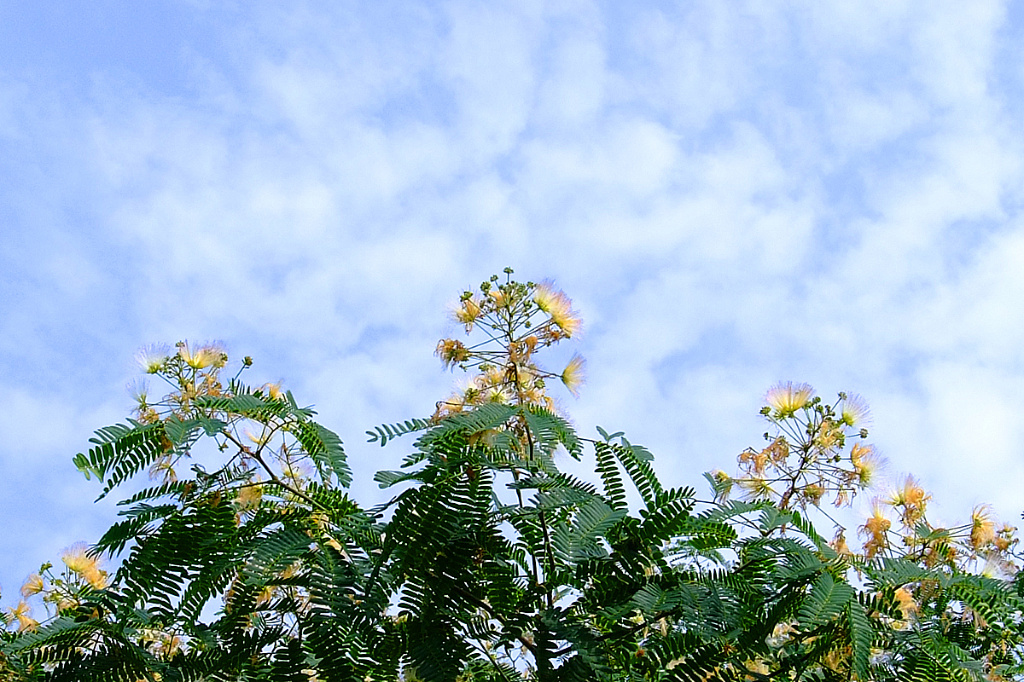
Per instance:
(325,448)
(826,600)
(861,637)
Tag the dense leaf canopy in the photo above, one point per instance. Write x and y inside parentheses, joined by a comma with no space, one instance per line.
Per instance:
(248,560)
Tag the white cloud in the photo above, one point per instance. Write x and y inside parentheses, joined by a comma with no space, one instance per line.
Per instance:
(734,195)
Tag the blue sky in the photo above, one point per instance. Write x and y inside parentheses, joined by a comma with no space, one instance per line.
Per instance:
(733,194)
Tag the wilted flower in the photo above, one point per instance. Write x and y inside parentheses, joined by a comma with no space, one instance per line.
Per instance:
(786,397)
(1004,538)
(839,544)
(163,470)
(813,493)
(451,352)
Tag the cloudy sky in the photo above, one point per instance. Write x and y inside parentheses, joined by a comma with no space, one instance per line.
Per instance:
(733,194)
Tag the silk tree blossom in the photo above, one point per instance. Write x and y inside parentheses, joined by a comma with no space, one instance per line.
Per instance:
(556,304)
(21,613)
(573,374)
(785,398)
(854,410)
(467,312)
(34,585)
(152,358)
(202,356)
(875,531)
(86,566)
(138,389)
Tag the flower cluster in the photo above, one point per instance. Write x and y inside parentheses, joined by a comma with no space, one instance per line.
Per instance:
(516,321)
(193,372)
(818,450)
(60,592)
(980,540)
(807,457)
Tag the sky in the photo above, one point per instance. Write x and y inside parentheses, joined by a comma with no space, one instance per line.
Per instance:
(733,194)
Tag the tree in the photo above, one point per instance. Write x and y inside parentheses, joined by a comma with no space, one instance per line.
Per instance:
(248,560)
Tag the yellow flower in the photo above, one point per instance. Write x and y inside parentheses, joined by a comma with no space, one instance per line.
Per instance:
(249,497)
(757,488)
(499,298)
(273,391)
(533,396)
(34,585)
(781,633)
(858,452)
(78,560)
(875,529)
(468,312)
(813,493)
(62,601)
(1004,538)
(723,485)
(453,405)
(836,659)
(259,440)
(786,397)
(758,667)
(265,595)
(572,375)
(558,306)
(912,497)
(497,395)
(983,527)
(864,462)
(296,473)
(905,602)
(21,614)
(854,410)
(209,355)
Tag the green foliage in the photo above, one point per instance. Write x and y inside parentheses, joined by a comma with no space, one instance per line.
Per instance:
(490,563)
